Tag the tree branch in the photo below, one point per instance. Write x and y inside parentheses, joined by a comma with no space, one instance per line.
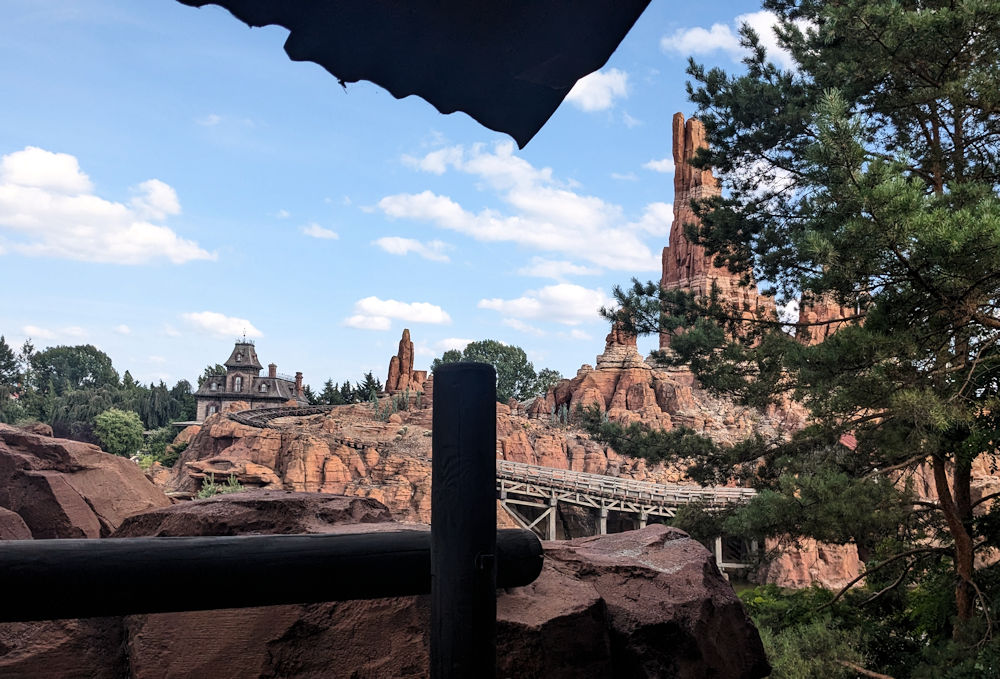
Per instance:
(897,557)
(861,670)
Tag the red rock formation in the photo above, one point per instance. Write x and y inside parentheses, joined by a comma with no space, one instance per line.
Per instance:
(820,318)
(401,375)
(648,603)
(686,266)
(809,562)
(69,489)
(12,526)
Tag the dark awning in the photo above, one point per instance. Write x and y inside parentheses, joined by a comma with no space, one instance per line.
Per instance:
(507,63)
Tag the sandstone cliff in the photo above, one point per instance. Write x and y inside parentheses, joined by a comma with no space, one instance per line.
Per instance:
(685,264)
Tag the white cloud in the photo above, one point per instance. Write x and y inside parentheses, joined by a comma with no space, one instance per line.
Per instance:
(123,329)
(436,162)
(372,313)
(725,38)
(71,332)
(210,120)
(449,343)
(314,230)
(656,219)
(159,360)
(562,303)
(282,214)
(629,121)
(664,165)
(434,250)
(521,326)
(170,331)
(40,169)
(578,334)
(363,322)
(627,177)
(48,204)
(598,90)
(546,214)
(156,200)
(220,325)
(35,332)
(548,268)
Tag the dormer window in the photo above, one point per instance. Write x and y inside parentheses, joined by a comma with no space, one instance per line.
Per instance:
(263,388)
(239,358)
(213,386)
(238,383)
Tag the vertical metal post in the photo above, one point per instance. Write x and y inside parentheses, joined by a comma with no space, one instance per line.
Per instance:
(643,518)
(463,522)
(602,521)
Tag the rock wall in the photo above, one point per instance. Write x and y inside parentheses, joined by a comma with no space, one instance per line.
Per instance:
(68,489)
(648,603)
(686,266)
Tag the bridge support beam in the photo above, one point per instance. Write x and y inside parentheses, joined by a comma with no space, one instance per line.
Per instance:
(551,534)
(602,521)
(643,517)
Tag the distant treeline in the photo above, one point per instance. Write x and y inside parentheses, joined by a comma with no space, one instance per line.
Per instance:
(67,387)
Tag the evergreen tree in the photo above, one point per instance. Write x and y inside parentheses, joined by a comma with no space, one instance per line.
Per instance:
(346,392)
(186,405)
(364,390)
(211,371)
(10,374)
(330,394)
(868,176)
(310,396)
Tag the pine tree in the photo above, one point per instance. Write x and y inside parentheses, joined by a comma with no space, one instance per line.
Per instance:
(868,176)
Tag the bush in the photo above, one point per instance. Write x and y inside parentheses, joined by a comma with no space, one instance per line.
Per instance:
(119,431)
(209,487)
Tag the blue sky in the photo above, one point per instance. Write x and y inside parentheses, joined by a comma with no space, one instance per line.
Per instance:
(169,179)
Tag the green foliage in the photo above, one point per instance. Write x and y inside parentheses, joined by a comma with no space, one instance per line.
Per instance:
(77,367)
(450,356)
(211,371)
(10,372)
(159,447)
(210,488)
(119,431)
(516,377)
(546,379)
(868,177)
(369,388)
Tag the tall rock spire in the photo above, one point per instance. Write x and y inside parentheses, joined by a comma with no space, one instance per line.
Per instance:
(686,266)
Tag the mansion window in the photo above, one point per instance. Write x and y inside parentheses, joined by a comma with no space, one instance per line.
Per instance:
(213,386)
(263,388)
(213,409)
(238,383)
(239,357)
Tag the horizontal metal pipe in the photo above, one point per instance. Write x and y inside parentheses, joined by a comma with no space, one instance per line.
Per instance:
(52,579)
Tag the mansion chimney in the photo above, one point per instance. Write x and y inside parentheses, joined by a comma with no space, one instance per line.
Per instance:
(272,370)
(298,383)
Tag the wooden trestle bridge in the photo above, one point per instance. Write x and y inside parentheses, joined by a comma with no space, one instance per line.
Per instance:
(541,489)
(531,494)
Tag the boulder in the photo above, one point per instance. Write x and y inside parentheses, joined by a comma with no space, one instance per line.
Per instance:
(12,526)
(644,604)
(69,489)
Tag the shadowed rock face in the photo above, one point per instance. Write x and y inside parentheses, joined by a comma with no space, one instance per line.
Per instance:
(647,603)
(67,489)
(507,64)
